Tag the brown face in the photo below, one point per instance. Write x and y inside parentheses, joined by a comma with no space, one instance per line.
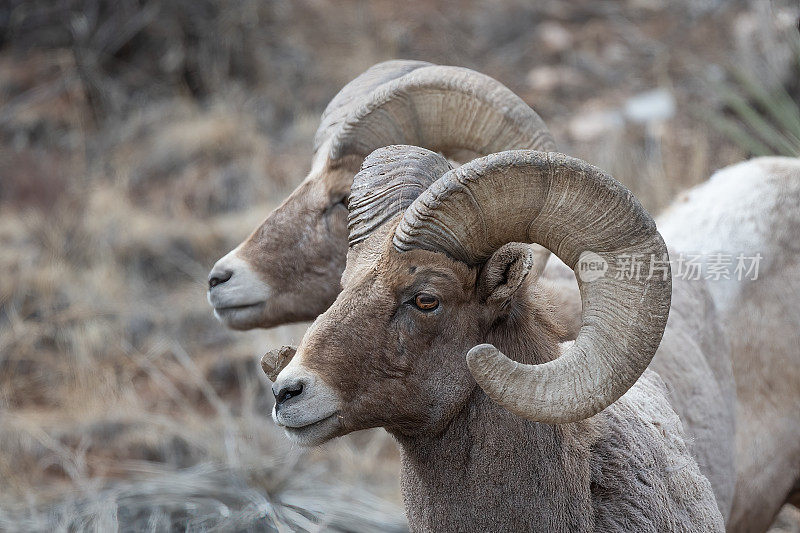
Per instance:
(288,270)
(391,350)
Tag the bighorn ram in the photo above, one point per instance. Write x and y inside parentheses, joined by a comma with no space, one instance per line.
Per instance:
(749,209)
(288,269)
(535,442)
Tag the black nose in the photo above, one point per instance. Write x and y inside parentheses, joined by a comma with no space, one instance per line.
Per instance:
(215,278)
(286,392)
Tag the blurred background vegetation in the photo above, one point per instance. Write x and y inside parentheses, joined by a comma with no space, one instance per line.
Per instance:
(142,139)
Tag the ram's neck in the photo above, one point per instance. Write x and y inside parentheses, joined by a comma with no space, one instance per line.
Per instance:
(493,471)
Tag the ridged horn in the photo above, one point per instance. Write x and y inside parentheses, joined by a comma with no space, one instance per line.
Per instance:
(573,209)
(389,180)
(354,93)
(445,109)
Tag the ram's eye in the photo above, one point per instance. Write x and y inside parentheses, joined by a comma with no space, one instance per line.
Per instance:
(426,302)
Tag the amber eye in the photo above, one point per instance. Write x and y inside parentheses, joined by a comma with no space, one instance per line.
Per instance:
(426,302)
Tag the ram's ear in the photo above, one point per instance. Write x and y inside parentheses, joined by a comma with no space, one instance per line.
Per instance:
(504,273)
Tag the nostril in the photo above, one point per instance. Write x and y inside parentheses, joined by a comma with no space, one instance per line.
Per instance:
(219,277)
(287,392)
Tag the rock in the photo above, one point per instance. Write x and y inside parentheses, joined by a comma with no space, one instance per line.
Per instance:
(651,106)
(555,37)
(591,125)
(547,78)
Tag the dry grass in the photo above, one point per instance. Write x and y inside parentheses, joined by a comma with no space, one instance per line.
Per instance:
(139,144)
(123,401)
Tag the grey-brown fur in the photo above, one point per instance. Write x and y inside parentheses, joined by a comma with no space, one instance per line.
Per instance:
(492,471)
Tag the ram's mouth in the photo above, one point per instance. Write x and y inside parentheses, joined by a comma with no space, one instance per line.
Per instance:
(240,307)
(244,316)
(314,433)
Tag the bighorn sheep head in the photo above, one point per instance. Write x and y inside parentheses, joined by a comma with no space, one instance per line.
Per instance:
(426,285)
(288,269)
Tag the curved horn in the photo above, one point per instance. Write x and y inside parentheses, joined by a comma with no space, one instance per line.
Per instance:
(389,180)
(572,208)
(445,109)
(352,95)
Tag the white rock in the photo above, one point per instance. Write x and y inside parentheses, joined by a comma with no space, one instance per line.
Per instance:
(594,124)
(650,106)
(547,78)
(554,36)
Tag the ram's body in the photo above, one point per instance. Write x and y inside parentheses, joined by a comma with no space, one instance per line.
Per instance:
(694,362)
(625,469)
(751,210)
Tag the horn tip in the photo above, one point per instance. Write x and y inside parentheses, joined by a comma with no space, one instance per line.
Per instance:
(486,364)
(276,360)
(481,351)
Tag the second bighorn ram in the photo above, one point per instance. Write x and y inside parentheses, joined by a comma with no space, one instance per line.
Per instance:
(554,439)
(288,269)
